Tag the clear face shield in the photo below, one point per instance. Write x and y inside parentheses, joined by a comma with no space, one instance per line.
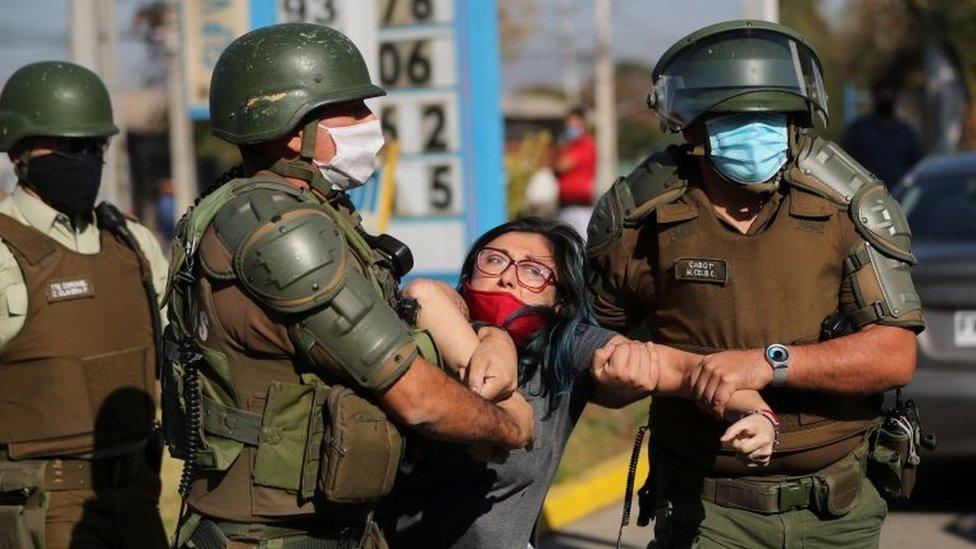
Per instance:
(725,66)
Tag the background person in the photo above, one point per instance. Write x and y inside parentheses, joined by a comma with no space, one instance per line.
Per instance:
(576,171)
(528,277)
(882,142)
(78,328)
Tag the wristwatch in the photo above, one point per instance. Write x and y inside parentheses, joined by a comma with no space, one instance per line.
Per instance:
(778,357)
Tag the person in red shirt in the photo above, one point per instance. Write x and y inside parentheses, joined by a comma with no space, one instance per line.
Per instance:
(576,170)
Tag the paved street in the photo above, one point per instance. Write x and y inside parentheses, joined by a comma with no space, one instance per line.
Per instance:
(942,516)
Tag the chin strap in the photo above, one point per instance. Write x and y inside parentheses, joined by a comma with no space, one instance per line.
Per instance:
(303,167)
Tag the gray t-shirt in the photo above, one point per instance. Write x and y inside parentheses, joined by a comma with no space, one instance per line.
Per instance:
(444,498)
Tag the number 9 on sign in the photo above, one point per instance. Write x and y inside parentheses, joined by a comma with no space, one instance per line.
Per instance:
(322,12)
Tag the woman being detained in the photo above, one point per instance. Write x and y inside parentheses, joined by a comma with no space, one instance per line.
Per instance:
(527,276)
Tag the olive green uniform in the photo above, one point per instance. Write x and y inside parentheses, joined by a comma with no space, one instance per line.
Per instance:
(78,459)
(282,320)
(829,239)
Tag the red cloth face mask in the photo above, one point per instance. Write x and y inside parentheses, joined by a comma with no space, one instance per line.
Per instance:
(496,308)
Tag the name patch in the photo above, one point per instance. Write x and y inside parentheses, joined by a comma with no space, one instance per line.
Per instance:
(64,290)
(715,271)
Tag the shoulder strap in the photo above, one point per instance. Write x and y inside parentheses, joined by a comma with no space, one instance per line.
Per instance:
(660,179)
(29,242)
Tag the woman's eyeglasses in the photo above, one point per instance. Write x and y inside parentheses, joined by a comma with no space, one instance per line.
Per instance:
(531,275)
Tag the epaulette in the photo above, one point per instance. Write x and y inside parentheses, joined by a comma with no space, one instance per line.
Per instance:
(658,180)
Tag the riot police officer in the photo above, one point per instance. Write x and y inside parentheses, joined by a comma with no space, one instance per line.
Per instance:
(78,328)
(737,245)
(291,374)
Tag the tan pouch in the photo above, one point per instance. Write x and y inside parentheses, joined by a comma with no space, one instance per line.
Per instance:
(23,504)
(361,450)
(13,528)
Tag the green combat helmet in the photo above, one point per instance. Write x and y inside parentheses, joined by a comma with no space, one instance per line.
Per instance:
(738,66)
(56,99)
(267,81)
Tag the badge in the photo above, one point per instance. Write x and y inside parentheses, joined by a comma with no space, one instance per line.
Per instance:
(65,290)
(715,271)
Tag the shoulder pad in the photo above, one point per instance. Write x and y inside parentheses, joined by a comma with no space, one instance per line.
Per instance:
(830,171)
(288,254)
(880,220)
(656,181)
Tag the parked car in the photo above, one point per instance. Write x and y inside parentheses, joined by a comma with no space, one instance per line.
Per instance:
(939,198)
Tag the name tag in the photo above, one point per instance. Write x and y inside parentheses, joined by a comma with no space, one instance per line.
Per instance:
(715,271)
(64,290)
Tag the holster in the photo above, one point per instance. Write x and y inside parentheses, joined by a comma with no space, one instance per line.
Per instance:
(23,504)
(892,465)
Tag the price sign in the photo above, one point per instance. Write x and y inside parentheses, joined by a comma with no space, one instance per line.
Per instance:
(438,61)
(320,12)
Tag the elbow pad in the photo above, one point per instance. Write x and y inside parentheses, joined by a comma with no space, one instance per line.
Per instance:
(294,259)
(880,267)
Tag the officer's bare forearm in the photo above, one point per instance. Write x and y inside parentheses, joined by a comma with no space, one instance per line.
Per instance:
(875,359)
(676,368)
(432,403)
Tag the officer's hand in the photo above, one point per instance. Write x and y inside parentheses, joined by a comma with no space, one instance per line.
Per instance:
(628,370)
(492,371)
(523,415)
(719,375)
(752,438)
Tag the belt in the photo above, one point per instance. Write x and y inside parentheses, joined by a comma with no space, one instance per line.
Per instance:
(833,489)
(215,534)
(760,497)
(81,474)
(232,423)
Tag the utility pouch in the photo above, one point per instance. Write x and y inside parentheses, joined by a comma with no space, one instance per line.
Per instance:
(284,435)
(13,528)
(361,450)
(838,486)
(892,466)
(23,504)
(894,451)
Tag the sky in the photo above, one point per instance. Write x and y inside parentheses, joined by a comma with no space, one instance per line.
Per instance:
(643,29)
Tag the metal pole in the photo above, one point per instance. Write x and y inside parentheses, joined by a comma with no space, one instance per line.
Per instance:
(567,37)
(606,108)
(183,167)
(766,10)
(93,40)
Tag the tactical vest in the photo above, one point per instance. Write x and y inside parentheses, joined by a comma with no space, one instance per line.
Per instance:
(264,419)
(79,377)
(716,289)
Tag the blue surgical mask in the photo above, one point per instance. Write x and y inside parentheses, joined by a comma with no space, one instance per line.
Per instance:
(572,133)
(748,148)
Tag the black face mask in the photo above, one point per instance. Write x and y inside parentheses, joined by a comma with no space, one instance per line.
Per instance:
(884,108)
(68,182)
